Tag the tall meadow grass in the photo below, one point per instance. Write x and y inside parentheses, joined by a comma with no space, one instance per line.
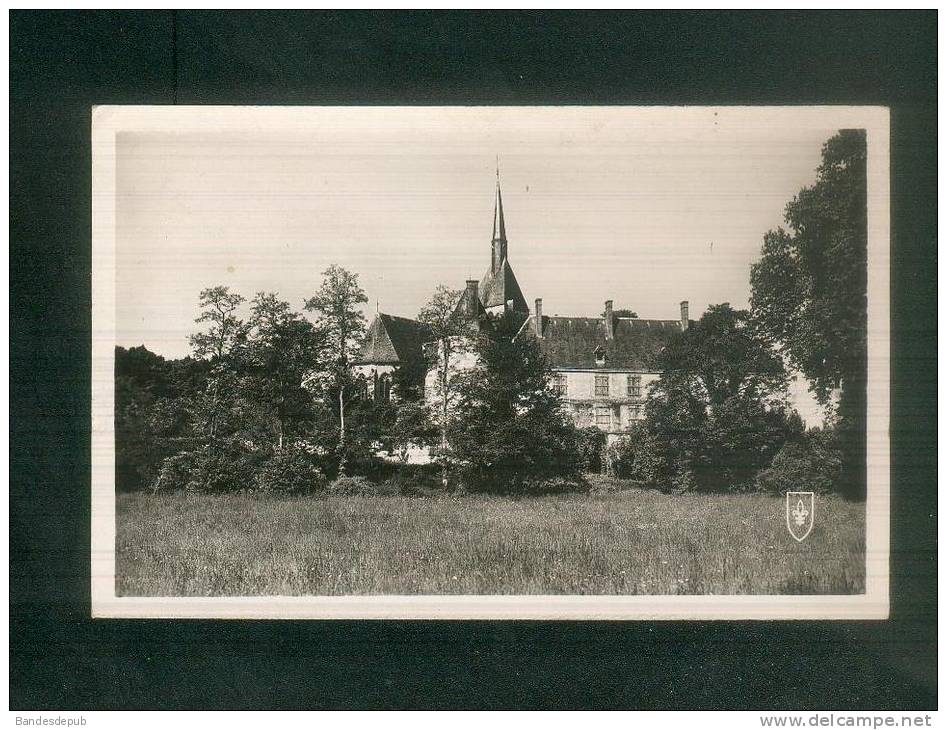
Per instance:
(627,542)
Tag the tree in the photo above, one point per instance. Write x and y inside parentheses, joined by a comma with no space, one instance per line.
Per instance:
(810,292)
(718,413)
(281,352)
(343,324)
(622,313)
(225,424)
(224,334)
(218,308)
(154,405)
(446,329)
(141,394)
(509,432)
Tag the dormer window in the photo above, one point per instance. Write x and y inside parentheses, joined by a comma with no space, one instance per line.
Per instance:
(600,355)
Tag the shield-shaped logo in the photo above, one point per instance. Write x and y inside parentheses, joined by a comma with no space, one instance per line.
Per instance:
(800,514)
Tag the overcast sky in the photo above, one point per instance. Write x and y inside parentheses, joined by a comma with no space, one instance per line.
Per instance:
(597,208)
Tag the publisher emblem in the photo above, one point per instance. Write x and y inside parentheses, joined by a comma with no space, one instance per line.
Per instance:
(800,514)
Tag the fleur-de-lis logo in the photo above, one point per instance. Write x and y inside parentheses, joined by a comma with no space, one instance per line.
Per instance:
(800,514)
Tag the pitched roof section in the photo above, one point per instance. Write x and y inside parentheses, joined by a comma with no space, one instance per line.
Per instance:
(497,288)
(393,340)
(470,311)
(570,342)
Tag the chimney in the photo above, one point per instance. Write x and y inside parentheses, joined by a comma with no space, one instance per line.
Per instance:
(609,320)
(685,321)
(538,319)
(472,297)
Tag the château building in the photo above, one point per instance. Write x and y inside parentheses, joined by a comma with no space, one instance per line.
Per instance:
(602,366)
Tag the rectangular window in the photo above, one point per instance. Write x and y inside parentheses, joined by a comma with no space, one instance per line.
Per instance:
(601,385)
(634,386)
(603,417)
(634,412)
(560,384)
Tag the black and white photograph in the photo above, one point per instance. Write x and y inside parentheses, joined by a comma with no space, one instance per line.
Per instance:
(599,362)
(457,360)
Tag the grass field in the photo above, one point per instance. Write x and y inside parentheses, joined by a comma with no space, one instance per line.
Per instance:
(626,542)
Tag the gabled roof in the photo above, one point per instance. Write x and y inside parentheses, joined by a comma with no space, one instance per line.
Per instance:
(393,340)
(571,342)
(470,312)
(497,288)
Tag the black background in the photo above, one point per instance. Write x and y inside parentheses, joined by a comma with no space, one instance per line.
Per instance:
(63,62)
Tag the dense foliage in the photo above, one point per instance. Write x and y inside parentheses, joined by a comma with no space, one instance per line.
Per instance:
(439,314)
(811,463)
(590,448)
(151,413)
(718,414)
(509,433)
(810,291)
(336,306)
(269,404)
(264,403)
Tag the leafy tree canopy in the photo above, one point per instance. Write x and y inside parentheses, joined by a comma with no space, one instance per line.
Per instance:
(718,412)
(508,430)
(622,313)
(337,305)
(810,284)
(225,329)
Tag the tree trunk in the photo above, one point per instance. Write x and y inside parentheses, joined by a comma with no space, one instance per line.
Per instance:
(281,414)
(341,431)
(445,374)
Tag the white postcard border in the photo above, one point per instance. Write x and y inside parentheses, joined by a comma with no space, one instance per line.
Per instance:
(109,121)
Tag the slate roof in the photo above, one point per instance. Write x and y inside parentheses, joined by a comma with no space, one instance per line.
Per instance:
(496,288)
(471,312)
(570,342)
(391,340)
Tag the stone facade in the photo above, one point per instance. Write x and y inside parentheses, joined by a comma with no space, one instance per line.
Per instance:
(611,400)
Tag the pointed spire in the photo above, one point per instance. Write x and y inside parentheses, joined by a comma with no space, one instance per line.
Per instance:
(499,227)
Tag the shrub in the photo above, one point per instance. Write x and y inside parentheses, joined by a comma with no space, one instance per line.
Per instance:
(591,447)
(556,485)
(415,480)
(626,457)
(352,486)
(225,467)
(175,472)
(372,468)
(683,480)
(608,484)
(813,463)
(290,471)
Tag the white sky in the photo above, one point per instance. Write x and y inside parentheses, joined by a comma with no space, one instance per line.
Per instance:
(597,207)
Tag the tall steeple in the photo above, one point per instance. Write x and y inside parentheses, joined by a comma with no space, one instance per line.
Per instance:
(499,229)
(498,289)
